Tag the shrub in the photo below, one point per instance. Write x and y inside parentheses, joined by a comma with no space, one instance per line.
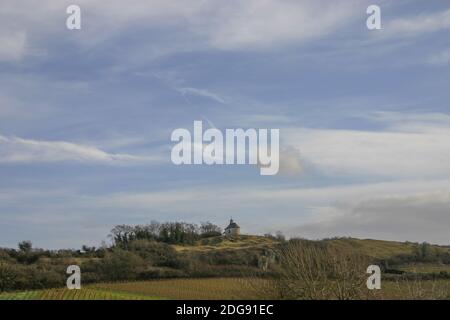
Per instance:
(155,253)
(121,265)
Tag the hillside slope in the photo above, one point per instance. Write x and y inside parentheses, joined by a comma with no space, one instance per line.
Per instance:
(380,249)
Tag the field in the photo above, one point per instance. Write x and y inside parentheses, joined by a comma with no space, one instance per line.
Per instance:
(211,289)
(65,294)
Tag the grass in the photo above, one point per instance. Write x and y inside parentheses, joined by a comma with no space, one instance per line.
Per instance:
(374,248)
(224,243)
(415,290)
(424,268)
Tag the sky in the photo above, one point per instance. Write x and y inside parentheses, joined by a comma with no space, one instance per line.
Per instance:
(86,117)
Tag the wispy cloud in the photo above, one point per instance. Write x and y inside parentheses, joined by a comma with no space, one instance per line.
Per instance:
(178,84)
(18,150)
(200,93)
(260,24)
(230,25)
(418,25)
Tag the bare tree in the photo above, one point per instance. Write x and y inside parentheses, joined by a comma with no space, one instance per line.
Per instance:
(314,271)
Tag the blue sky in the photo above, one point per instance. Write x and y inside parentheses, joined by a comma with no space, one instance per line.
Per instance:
(86,117)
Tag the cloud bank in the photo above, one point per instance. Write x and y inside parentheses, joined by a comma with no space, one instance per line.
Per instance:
(408,146)
(420,217)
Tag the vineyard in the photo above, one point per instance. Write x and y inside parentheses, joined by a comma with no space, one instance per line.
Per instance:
(65,294)
(216,288)
(211,289)
(208,288)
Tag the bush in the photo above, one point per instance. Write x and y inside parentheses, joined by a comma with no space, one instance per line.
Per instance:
(121,265)
(8,276)
(160,273)
(155,253)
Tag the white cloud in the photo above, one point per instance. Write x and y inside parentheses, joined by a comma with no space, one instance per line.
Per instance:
(194,25)
(268,23)
(197,24)
(418,25)
(232,24)
(408,148)
(18,150)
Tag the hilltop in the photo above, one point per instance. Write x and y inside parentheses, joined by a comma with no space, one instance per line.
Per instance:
(227,243)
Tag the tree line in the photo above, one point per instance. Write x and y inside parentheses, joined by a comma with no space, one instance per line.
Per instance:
(168,232)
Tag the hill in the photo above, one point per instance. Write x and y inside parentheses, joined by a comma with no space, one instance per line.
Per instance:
(380,249)
(207,257)
(398,256)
